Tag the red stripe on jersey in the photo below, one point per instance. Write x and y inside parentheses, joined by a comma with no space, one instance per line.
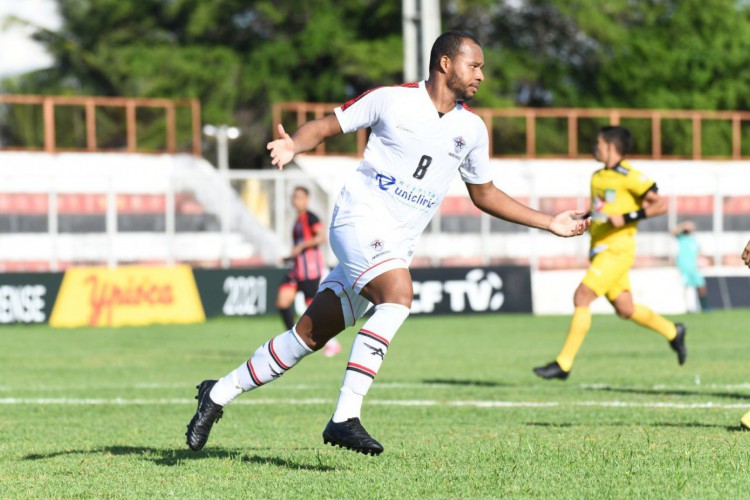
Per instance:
(466,107)
(350,102)
(306,229)
(353,101)
(309,263)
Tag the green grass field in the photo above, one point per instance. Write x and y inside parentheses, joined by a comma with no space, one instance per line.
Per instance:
(102,413)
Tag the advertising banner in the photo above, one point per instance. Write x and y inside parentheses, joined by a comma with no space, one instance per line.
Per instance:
(238,292)
(728,292)
(469,290)
(28,297)
(127,295)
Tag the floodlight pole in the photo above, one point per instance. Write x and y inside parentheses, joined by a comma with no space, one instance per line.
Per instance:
(222,133)
(421,26)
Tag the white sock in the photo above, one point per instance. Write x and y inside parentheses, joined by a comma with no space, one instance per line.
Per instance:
(368,352)
(269,362)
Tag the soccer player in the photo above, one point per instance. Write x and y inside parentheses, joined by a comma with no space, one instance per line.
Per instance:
(688,252)
(308,235)
(745,420)
(620,197)
(421,135)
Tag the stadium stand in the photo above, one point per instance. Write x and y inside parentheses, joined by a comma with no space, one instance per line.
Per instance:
(60,208)
(55,209)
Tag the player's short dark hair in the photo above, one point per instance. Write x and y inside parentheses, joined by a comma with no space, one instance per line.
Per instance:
(303,189)
(619,136)
(449,44)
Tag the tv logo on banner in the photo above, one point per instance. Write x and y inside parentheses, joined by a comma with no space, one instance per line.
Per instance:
(471,290)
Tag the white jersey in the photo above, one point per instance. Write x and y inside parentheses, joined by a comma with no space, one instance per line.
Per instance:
(410,159)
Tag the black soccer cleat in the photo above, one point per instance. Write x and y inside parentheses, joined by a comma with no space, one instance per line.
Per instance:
(207,413)
(551,370)
(352,436)
(678,343)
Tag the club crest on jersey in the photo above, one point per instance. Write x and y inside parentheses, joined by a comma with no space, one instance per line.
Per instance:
(377,245)
(459,144)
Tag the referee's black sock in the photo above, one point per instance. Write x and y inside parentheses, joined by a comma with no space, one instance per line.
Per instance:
(287,315)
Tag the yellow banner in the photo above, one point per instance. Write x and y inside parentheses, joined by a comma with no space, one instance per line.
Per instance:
(128,295)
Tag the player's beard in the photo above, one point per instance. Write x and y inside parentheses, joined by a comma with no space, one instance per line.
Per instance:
(459,88)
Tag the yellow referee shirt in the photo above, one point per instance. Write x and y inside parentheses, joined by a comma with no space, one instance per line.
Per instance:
(617,190)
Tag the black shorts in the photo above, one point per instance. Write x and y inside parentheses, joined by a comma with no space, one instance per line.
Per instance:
(308,287)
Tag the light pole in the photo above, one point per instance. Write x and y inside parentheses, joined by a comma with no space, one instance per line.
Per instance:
(421,26)
(222,133)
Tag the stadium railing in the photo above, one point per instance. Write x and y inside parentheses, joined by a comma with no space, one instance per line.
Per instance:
(569,132)
(109,217)
(99,124)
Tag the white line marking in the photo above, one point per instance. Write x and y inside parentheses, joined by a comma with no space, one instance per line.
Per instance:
(381,385)
(660,387)
(379,402)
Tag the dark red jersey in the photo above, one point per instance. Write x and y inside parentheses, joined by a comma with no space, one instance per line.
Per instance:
(308,265)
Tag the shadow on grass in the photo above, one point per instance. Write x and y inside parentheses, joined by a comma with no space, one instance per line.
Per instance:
(685,425)
(168,457)
(668,392)
(459,382)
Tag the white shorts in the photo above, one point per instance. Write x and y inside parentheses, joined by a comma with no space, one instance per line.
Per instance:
(364,253)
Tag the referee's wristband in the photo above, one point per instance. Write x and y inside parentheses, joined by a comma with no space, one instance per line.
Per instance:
(634,216)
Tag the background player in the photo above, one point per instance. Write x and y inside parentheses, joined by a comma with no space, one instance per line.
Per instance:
(688,252)
(308,263)
(620,197)
(745,420)
(421,135)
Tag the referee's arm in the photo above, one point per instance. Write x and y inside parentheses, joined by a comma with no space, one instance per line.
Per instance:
(652,204)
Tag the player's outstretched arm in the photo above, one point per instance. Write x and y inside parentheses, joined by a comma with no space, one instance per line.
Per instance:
(307,137)
(490,199)
(746,255)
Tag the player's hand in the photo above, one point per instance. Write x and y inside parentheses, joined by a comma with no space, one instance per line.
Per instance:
(617,220)
(296,250)
(746,255)
(566,224)
(282,149)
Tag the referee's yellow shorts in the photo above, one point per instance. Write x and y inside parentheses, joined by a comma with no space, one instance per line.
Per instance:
(608,273)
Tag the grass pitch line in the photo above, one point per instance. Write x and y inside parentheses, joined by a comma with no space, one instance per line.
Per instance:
(660,387)
(381,385)
(378,402)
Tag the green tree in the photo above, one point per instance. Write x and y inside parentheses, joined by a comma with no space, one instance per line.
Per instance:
(669,54)
(241,56)
(237,57)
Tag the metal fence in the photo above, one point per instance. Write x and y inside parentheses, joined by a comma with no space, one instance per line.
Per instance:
(251,224)
(99,124)
(570,132)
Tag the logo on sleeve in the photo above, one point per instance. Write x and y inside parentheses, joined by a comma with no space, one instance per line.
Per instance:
(459,144)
